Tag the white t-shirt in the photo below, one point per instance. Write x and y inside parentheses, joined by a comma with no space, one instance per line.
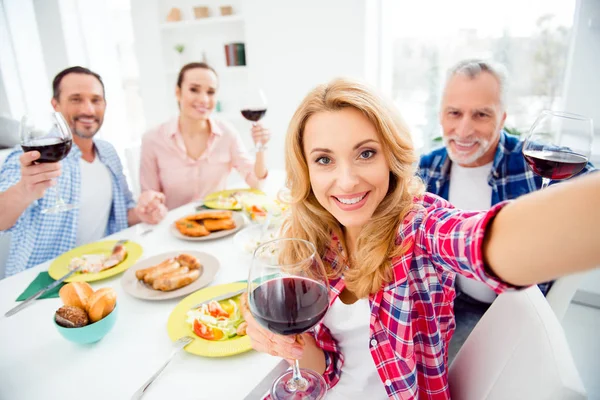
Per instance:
(95,201)
(349,326)
(470,190)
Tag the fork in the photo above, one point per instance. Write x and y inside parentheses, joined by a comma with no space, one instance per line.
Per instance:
(179,345)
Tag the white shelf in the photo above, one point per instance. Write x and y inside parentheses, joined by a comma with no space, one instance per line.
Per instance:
(201,21)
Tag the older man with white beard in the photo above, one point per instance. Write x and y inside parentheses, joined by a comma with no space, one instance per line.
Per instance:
(480,166)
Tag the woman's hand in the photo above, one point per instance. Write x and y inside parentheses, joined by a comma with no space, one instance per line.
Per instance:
(266,341)
(151,207)
(260,134)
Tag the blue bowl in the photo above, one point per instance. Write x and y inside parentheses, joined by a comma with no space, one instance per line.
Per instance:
(89,333)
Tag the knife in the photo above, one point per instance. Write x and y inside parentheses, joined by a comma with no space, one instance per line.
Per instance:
(51,286)
(30,300)
(225,296)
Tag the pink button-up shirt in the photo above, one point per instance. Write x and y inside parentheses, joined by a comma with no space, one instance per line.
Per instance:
(167,168)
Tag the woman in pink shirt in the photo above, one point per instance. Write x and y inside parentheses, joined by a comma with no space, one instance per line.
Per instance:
(192,155)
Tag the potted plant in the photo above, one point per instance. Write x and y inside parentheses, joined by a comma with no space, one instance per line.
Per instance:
(180,48)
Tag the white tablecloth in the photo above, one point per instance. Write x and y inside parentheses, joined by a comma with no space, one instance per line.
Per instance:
(36,362)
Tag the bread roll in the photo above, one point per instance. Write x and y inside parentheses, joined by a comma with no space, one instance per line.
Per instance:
(71,317)
(76,294)
(101,303)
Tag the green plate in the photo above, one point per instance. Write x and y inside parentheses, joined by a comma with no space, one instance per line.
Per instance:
(178,327)
(225,199)
(60,266)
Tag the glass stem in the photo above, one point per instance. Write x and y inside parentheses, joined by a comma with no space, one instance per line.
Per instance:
(545,182)
(297,383)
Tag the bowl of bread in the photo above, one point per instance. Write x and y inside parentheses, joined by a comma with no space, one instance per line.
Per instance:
(87,315)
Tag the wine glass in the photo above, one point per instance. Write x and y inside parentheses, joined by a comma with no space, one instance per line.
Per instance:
(288,294)
(254,109)
(558,145)
(53,140)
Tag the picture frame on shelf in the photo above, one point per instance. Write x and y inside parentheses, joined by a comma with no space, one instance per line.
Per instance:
(226,10)
(201,12)
(174,15)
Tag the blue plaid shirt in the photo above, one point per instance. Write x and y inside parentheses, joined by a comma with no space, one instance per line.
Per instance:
(38,237)
(509,178)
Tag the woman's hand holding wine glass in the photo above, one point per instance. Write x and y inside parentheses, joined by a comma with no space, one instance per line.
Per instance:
(288,294)
(260,136)
(265,341)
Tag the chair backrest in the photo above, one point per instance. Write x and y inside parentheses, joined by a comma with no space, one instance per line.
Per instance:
(561,293)
(133,157)
(518,350)
(4,249)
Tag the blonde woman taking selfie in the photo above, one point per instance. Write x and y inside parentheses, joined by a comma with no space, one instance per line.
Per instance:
(393,252)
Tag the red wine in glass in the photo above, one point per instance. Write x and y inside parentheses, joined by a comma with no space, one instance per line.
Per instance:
(254,115)
(53,139)
(51,149)
(288,294)
(554,164)
(558,145)
(254,107)
(290,305)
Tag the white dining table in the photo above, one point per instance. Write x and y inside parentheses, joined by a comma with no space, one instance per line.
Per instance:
(37,363)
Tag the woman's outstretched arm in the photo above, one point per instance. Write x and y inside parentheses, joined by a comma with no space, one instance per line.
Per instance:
(547,234)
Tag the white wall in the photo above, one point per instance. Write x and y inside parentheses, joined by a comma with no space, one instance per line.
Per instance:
(582,96)
(290,48)
(49,23)
(582,88)
(293,46)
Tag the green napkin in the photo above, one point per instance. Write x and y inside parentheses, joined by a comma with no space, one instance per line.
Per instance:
(40,282)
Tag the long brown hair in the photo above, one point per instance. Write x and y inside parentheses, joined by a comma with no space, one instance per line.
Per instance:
(370,266)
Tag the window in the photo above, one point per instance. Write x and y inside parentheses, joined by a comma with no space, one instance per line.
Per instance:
(531,38)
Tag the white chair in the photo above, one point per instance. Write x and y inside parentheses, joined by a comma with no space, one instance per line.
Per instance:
(4,249)
(518,350)
(133,156)
(561,293)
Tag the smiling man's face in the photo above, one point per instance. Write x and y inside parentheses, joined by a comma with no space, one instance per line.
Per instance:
(472,117)
(81,102)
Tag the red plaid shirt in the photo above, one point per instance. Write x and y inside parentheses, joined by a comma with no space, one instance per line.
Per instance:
(412,319)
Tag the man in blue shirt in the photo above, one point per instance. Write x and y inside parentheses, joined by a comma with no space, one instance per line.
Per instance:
(91,177)
(480,166)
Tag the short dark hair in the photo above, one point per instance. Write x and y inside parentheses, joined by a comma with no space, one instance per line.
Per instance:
(73,70)
(193,65)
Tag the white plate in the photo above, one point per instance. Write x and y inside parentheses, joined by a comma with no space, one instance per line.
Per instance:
(239,224)
(248,239)
(136,288)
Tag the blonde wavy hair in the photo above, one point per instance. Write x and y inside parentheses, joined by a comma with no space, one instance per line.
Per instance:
(370,267)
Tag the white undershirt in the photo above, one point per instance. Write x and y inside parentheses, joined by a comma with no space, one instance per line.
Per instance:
(95,201)
(349,326)
(470,190)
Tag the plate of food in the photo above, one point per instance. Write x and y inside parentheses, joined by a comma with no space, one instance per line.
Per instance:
(248,239)
(98,260)
(217,326)
(170,275)
(228,199)
(207,225)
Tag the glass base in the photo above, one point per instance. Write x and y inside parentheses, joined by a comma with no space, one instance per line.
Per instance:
(58,208)
(312,386)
